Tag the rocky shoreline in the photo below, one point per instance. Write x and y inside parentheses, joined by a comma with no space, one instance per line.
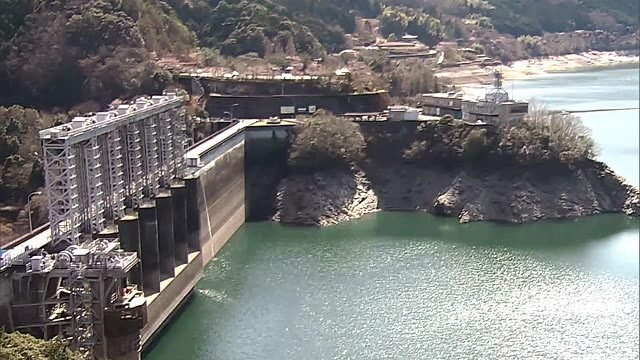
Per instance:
(513,195)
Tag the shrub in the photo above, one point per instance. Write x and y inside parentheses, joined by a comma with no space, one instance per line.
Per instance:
(569,139)
(415,150)
(542,137)
(475,143)
(19,142)
(16,346)
(211,57)
(324,141)
(546,135)
(410,78)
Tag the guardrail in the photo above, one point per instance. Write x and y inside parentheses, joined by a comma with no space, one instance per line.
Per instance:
(252,77)
(194,156)
(7,258)
(25,237)
(233,122)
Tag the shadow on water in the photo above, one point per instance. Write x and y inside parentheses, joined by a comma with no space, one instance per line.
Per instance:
(548,234)
(535,235)
(157,339)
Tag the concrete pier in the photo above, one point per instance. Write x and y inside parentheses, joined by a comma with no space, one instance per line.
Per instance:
(164,210)
(193,214)
(180,236)
(129,229)
(150,250)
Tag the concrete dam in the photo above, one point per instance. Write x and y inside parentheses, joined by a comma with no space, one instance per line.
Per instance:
(216,205)
(127,244)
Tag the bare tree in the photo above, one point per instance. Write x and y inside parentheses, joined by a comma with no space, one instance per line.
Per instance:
(568,137)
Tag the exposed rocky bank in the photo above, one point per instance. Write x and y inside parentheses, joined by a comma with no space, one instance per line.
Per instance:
(514,195)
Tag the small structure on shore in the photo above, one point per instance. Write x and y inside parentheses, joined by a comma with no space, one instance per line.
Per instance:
(409,38)
(403,113)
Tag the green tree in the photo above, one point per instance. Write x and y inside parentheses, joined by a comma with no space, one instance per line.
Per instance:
(325,141)
(475,143)
(401,20)
(20,169)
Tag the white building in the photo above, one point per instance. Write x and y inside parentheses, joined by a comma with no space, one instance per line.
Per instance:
(403,113)
(495,106)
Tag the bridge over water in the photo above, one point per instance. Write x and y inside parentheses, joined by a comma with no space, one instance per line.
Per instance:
(596,110)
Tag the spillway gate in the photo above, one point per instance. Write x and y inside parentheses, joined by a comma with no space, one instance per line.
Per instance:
(97,166)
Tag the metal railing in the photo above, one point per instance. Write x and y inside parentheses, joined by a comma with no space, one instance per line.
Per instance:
(25,237)
(7,258)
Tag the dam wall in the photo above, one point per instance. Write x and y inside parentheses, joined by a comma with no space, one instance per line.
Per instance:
(238,182)
(214,209)
(215,198)
(261,107)
(266,151)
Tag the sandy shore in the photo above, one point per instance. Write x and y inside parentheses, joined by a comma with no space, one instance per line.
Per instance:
(525,69)
(473,80)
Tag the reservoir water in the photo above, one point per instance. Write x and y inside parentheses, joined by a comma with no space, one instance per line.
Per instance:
(411,286)
(617,131)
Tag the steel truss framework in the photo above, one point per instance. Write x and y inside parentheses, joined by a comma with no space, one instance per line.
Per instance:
(74,289)
(95,166)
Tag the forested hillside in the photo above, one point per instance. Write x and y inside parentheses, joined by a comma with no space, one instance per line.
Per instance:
(314,26)
(64,52)
(526,17)
(266,26)
(57,54)
(60,53)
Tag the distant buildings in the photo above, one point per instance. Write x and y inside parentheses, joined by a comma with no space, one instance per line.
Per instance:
(496,106)
(407,43)
(492,112)
(401,45)
(441,104)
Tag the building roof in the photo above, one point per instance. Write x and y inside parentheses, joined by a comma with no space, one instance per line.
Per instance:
(401,108)
(395,44)
(444,95)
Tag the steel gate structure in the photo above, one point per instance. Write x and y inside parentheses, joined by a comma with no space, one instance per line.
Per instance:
(97,166)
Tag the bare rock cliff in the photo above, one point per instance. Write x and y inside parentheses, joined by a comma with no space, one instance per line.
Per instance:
(504,195)
(325,198)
